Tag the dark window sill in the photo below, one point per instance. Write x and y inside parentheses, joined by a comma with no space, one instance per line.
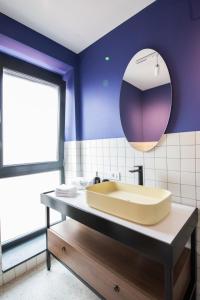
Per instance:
(19,253)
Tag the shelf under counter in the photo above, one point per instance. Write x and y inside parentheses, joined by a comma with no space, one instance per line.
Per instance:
(162,243)
(112,269)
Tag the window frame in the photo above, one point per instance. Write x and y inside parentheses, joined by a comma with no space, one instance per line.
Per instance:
(17,65)
(20,66)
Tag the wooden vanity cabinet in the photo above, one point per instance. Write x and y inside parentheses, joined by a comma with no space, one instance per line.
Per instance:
(112,269)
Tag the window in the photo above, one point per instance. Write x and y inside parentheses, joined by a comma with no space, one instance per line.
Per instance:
(22,211)
(32,106)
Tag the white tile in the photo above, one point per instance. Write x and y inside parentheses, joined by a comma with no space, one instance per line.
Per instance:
(139,154)
(161,152)
(113,152)
(149,174)
(173,164)
(121,161)
(31,263)
(140,161)
(197,151)
(113,143)
(21,269)
(188,201)
(188,178)
(187,138)
(198,194)
(198,137)
(113,161)
(161,175)
(129,162)
(173,151)
(41,258)
(198,165)
(8,276)
(120,142)
(129,152)
(121,152)
(122,171)
(188,151)
(149,163)
(160,164)
(173,139)
(188,165)
(188,191)
(174,177)
(149,154)
(198,179)
(174,188)
(94,143)
(161,184)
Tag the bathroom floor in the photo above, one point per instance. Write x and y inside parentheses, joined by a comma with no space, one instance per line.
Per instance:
(40,284)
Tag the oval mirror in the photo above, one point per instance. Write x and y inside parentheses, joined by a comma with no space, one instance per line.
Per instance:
(145,99)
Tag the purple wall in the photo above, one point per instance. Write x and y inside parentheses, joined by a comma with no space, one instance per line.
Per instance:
(26,44)
(145,114)
(94,97)
(156,110)
(169,28)
(31,38)
(131,112)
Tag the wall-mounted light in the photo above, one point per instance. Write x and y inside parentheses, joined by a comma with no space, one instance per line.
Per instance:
(157,67)
(146,57)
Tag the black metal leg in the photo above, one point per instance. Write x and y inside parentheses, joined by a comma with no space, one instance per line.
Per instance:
(48,255)
(168,283)
(191,291)
(193,263)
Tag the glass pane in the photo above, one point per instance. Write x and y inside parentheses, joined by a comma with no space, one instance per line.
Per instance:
(20,207)
(30,120)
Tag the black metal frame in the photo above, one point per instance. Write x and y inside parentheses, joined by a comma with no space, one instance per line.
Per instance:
(164,253)
(26,68)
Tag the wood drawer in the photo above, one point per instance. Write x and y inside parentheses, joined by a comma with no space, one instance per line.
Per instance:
(106,264)
(97,276)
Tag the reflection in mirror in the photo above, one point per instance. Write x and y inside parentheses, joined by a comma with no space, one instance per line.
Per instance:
(145,99)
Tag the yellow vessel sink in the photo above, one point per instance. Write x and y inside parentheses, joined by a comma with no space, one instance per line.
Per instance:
(134,203)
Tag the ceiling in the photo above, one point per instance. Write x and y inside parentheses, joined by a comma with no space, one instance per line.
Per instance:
(141,75)
(75,24)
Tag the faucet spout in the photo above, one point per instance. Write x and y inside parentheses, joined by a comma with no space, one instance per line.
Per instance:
(139,170)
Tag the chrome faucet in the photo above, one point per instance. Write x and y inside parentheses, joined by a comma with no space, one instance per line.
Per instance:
(139,170)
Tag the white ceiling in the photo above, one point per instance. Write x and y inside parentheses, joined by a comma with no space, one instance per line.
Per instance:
(142,75)
(75,24)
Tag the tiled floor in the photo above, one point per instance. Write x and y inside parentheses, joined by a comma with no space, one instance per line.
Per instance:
(58,284)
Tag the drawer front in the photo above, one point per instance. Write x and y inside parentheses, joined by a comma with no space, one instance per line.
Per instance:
(106,283)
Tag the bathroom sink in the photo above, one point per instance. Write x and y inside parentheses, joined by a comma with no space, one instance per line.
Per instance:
(134,203)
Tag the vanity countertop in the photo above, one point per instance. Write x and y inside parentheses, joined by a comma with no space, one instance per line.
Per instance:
(165,231)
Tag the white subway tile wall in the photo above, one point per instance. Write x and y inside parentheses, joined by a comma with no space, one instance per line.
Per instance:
(174,164)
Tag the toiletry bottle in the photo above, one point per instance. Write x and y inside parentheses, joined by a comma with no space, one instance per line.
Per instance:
(97,179)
